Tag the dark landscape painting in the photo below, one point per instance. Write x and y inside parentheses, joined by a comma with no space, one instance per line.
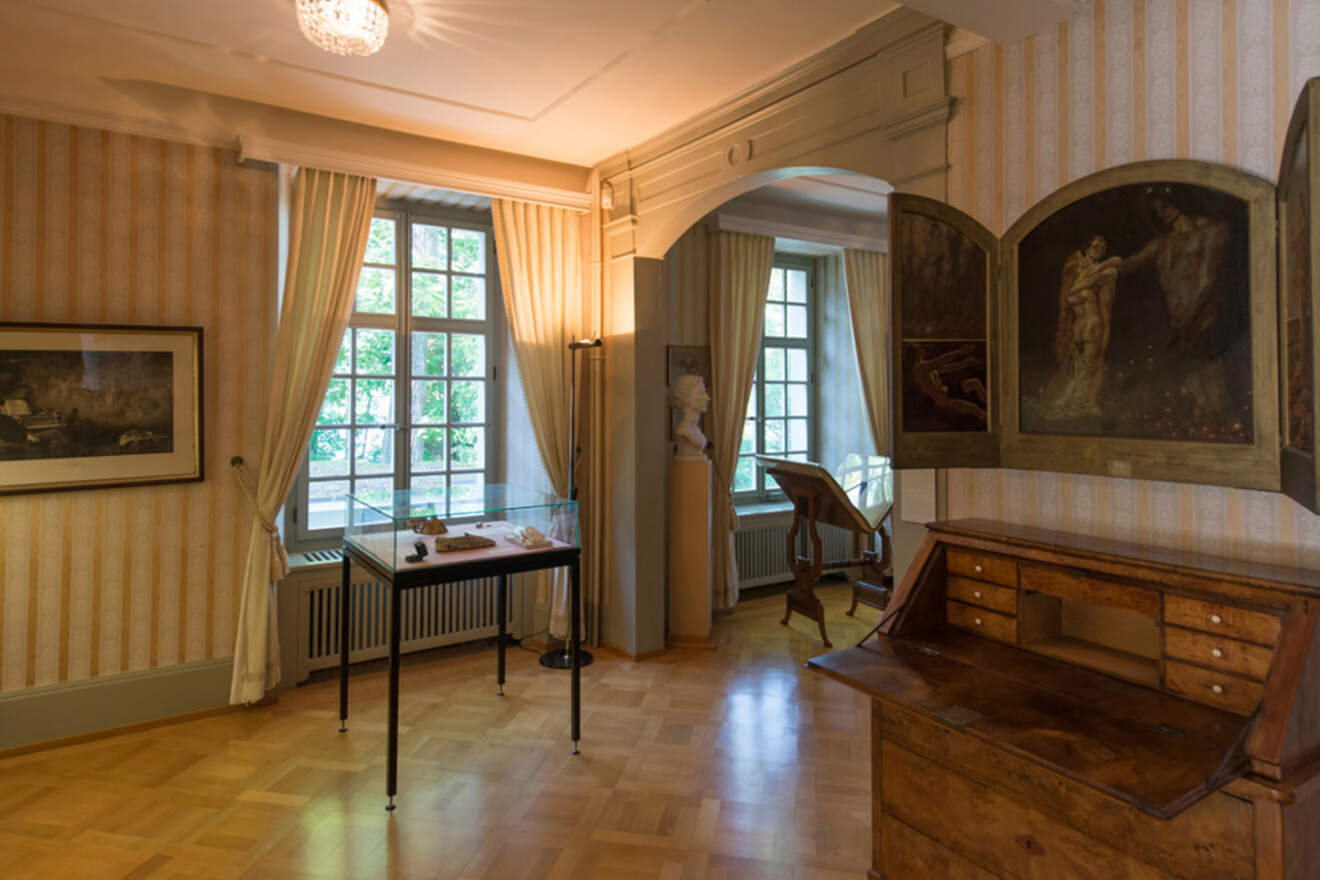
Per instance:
(1299,346)
(1134,317)
(85,404)
(943,276)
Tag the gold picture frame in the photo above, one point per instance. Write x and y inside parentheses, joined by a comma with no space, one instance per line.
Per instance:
(1183,407)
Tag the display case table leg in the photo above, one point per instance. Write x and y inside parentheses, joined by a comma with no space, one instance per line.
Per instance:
(392,762)
(575,646)
(502,609)
(344,605)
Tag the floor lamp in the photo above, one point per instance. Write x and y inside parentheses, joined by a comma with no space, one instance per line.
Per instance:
(560,659)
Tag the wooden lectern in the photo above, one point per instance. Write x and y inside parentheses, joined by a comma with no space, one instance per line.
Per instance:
(860,497)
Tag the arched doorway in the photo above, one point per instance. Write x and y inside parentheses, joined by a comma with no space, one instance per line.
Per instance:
(876,104)
(806,400)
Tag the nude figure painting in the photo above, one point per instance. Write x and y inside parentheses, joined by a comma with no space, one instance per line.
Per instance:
(1134,307)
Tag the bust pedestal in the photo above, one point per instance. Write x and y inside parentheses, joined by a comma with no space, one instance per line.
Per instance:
(689,553)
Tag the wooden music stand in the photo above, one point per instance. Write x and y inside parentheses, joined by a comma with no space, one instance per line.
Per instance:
(818,497)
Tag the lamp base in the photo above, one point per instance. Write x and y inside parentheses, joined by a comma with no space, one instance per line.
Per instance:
(561,659)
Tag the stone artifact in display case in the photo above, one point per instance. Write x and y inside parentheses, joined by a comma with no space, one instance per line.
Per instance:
(528,537)
(428,526)
(465,541)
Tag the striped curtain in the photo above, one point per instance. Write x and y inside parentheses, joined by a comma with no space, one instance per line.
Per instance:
(331,216)
(740,266)
(539,250)
(868,300)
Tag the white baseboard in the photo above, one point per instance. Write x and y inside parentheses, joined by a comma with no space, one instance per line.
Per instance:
(68,709)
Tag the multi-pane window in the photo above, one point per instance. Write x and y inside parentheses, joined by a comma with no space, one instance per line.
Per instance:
(409,402)
(779,409)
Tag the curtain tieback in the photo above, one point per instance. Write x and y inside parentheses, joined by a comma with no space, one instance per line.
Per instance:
(279,558)
(728,498)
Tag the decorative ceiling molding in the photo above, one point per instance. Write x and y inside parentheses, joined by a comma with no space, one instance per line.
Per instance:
(290,153)
(86,118)
(963,42)
(865,43)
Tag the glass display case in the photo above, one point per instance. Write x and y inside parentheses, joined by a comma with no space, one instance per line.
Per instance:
(416,528)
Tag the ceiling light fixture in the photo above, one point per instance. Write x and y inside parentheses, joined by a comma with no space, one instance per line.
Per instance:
(345,27)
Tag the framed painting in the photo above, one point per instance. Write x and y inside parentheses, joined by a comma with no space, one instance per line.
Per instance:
(88,406)
(1139,327)
(684,359)
(943,271)
(1299,291)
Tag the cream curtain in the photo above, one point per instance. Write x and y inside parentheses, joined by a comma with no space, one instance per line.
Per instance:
(740,266)
(867,274)
(330,219)
(540,258)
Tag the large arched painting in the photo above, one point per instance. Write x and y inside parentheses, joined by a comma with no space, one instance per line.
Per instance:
(1135,317)
(1140,327)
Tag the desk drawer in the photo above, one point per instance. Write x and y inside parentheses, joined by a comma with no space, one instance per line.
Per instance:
(910,855)
(1224,620)
(982,622)
(1000,834)
(983,594)
(1210,840)
(1230,655)
(983,567)
(1213,688)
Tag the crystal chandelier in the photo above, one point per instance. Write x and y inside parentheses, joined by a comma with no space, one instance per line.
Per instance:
(345,27)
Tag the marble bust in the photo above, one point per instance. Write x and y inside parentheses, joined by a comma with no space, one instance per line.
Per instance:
(688,396)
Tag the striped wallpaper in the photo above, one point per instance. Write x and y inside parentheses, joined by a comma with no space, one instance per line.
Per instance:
(1125,81)
(98,227)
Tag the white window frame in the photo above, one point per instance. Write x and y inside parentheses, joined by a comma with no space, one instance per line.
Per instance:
(403,324)
(766,488)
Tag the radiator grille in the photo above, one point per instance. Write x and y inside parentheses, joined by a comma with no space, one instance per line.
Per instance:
(431,616)
(762,553)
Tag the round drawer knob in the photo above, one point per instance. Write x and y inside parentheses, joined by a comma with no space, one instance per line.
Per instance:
(1215,652)
(976,620)
(1215,618)
(978,569)
(976,594)
(1217,688)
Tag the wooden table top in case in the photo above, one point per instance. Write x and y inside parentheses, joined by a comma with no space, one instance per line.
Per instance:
(1052,706)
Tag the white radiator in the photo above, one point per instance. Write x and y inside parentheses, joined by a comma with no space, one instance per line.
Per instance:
(432,616)
(762,553)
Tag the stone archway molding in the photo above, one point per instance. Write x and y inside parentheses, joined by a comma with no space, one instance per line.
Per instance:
(875,104)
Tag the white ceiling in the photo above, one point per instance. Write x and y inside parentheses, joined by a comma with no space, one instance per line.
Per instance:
(571,80)
(568,80)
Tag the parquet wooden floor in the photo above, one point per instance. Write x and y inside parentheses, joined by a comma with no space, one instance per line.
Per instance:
(735,763)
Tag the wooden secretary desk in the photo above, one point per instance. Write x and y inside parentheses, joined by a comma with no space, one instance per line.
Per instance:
(1047,706)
